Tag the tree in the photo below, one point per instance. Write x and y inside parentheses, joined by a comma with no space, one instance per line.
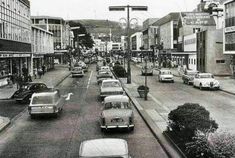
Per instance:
(188,118)
(119,71)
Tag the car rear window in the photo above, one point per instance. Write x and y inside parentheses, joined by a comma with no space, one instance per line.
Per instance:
(116,105)
(42,100)
(111,84)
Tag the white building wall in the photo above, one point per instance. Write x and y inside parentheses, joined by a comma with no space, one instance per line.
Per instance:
(192,63)
(166,35)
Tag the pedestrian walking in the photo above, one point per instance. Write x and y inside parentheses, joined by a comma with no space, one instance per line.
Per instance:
(40,72)
(35,73)
(29,78)
(43,69)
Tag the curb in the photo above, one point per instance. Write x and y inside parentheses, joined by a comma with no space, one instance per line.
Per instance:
(6,123)
(155,129)
(232,93)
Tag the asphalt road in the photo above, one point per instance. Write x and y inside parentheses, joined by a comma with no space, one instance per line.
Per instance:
(220,104)
(61,137)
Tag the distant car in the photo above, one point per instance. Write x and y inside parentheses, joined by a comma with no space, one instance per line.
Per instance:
(82,65)
(165,75)
(103,75)
(188,76)
(111,87)
(25,92)
(136,60)
(117,113)
(105,68)
(49,102)
(149,70)
(205,80)
(104,148)
(77,72)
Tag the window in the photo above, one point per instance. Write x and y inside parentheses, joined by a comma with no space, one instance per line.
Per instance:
(220,61)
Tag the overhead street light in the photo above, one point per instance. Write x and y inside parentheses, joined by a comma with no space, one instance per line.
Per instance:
(134,8)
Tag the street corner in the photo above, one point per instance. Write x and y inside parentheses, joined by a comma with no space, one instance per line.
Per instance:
(4,122)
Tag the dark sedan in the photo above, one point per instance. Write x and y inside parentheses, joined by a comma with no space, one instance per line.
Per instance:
(26,91)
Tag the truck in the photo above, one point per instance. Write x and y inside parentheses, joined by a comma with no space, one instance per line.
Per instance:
(188,76)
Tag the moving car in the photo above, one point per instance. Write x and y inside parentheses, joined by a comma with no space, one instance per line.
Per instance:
(165,75)
(188,76)
(149,70)
(25,92)
(82,65)
(50,102)
(105,68)
(111,87)
(103,75)
(117,113)
(205,80)
(77,72)
(104,148)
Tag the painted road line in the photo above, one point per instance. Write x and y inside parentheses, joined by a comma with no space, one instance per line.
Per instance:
(159,103)
(89,81)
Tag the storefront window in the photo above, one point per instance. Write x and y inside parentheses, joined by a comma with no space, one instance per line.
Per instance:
(4,67)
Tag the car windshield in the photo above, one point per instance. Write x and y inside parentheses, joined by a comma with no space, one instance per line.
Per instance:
(116,105)
(42,100)
(166,72)
(111,84)
(77,68)
(206,76)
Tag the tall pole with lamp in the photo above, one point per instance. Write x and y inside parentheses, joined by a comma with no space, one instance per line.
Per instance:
(134,8)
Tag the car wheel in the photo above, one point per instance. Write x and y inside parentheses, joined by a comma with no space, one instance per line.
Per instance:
(184,81)
(131,129)
(172,81)
(188,83)
(200,87)
(32,116)
(27,99)
(151,74)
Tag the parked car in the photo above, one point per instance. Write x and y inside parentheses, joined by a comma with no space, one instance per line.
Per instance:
(117,113)
(188,76)
(111,87)
(103,75)
(25,92)
(205,80)
(104,148)
(49,102)
(77,72)
(82,65)
(165,75)
(149,70)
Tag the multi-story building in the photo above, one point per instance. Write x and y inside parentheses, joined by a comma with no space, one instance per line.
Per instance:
(15,37)
(229,32)
(136,41)
(149,33)
(42,48)
(61,34)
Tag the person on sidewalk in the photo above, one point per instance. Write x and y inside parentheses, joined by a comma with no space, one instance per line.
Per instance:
(35,73)
(40,72)
(43,69)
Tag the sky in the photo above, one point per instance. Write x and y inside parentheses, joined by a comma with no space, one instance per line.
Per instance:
(98,9)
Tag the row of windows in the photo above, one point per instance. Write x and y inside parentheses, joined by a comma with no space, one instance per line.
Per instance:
(14,18)
(230,38)
(192,61)
(13,32)
(16,6)
(230,22)
(230,10)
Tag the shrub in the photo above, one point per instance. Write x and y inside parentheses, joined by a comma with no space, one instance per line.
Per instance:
(188,118)
(142,87)
(119,71)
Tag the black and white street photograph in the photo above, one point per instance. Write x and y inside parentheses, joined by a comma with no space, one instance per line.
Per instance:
(117,79)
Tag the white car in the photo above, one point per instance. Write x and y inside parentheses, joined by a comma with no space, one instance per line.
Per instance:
(165,75)
(77,72)
(117,113)
(103,75)
(50,102)
(205,80)
(111,87)
(104,148)
(105,68)
(149,70)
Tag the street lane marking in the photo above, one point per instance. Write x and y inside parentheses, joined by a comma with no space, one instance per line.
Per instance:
(89,81)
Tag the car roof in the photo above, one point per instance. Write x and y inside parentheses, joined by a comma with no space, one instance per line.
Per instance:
(46,93)
(165,70)
(110,80)
(204,74)
(103,147)
(116,98)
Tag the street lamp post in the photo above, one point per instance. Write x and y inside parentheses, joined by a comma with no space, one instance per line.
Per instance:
(134,8)
(145,90)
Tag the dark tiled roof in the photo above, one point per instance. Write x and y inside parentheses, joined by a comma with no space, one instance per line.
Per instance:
(25,2)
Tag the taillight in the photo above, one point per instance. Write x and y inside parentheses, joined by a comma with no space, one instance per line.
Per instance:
(29,108)
(103,121)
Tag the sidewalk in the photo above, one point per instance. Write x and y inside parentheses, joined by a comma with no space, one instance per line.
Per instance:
(51,79)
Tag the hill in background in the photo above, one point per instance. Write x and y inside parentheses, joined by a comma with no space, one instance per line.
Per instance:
(102,28)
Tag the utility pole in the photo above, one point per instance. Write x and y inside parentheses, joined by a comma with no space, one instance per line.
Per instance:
(134,8)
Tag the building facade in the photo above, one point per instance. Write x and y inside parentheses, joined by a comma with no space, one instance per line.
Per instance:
(229,33)
(42,49)
(15,37)
(61,34)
